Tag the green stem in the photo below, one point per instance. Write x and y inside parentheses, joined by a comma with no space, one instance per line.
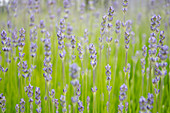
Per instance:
(63,73)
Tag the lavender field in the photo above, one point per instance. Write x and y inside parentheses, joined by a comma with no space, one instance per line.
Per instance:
(84,56)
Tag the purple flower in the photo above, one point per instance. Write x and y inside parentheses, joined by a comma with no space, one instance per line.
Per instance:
(22,105)
(80,106)
(120,107)
(74,71)
(94,89)
(150,101)
(2,102)
(17,108)
(142,102)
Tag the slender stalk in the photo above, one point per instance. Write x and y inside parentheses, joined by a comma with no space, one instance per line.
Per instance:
(100,78)
(74,105)
(142,83)
(63,73)
(82,80)
(94,93)
(94,100)
(109,103)
(115,65)
(45,94)
(161,93)
(129,107)
(48,97)
(93,77)
(134,68)
(150,68)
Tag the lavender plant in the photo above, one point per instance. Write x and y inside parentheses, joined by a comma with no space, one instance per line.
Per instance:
(38,100)
(108,74)
(60,36)
(2,103)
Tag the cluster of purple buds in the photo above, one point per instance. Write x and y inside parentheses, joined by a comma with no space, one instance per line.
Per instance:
(63,103)
(69,31)
(109,40)
(38,99)
(82,10)
(127,40)
(9,26)
(93,55)
(61,37)
(103,25)
(74,100)
(161,38)
(36,6)
(42,26)
(33,38)
(6,41)
(29,91)
(74,73)
(52,94)
(143,60)
(30,6)
(2,102)
(109,24)
(26,71)
(155,81)
(14,7)
(22,105)
(118,24)
(86,40)
(14,38)
(73,46)
(150,101)
(143,103)
(123,90)
(56,105)
(163,55)
(47,61)
(155,23)
(108,74)
(125,4)
(127,70)
(146,105)
(17,108)
(88,102)
(33,47)
(66,4)
(120,108)
(153,47)
(78,92)
(94,89)
(50,8)
(80,49)
(21,40)
(21,44)
(80,107)
(4,70)
(110,13)
(128,25)
(122,97)
(91,5)
(32,19)
(102,31)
